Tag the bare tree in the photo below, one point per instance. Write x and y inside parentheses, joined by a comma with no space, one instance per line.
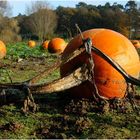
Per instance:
(36,6)
(42,19)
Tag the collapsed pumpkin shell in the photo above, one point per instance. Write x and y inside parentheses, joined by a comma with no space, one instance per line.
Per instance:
(2,50)
(56,45)
(109,82)
(31,44)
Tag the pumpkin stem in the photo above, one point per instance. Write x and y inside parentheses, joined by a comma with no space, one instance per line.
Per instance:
(78,28)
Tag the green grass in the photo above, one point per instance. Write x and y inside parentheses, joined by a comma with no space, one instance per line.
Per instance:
(34,61)
(23,51)
(52,120)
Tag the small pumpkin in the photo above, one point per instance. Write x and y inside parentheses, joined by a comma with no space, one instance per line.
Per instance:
(2,50)
(45,44)
(136,43)
(31,43)
(56,45)
(110,82)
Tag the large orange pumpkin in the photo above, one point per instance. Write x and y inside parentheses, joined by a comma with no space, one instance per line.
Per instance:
(109,82)
(31,43)
(2,50)
(45,44)
(56,45)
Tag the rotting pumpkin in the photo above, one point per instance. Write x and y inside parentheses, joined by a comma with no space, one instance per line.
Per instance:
(2,50)
(56,45)
(109,81)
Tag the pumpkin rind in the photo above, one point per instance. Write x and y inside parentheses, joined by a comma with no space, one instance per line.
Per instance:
(109,82)
(2,50)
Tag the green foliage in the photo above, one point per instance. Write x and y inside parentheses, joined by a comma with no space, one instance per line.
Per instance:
(101,16)
(22,50)
(133,13)
(23,62)
(62,20)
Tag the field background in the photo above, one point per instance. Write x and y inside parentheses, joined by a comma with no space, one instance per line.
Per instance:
(58,116)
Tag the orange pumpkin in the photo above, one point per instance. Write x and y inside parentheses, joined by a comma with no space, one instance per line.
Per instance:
(31,44)
(2,50)
(136,43)
(109,82)
(45,44)
(56,45)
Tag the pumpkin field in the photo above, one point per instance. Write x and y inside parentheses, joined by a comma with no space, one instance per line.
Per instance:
(69,72)
(58,116)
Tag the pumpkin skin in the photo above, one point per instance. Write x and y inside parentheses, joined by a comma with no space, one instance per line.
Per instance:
(136,43)
(31,44)
(109,82)
(2,50)
(45,44)
(56,45)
